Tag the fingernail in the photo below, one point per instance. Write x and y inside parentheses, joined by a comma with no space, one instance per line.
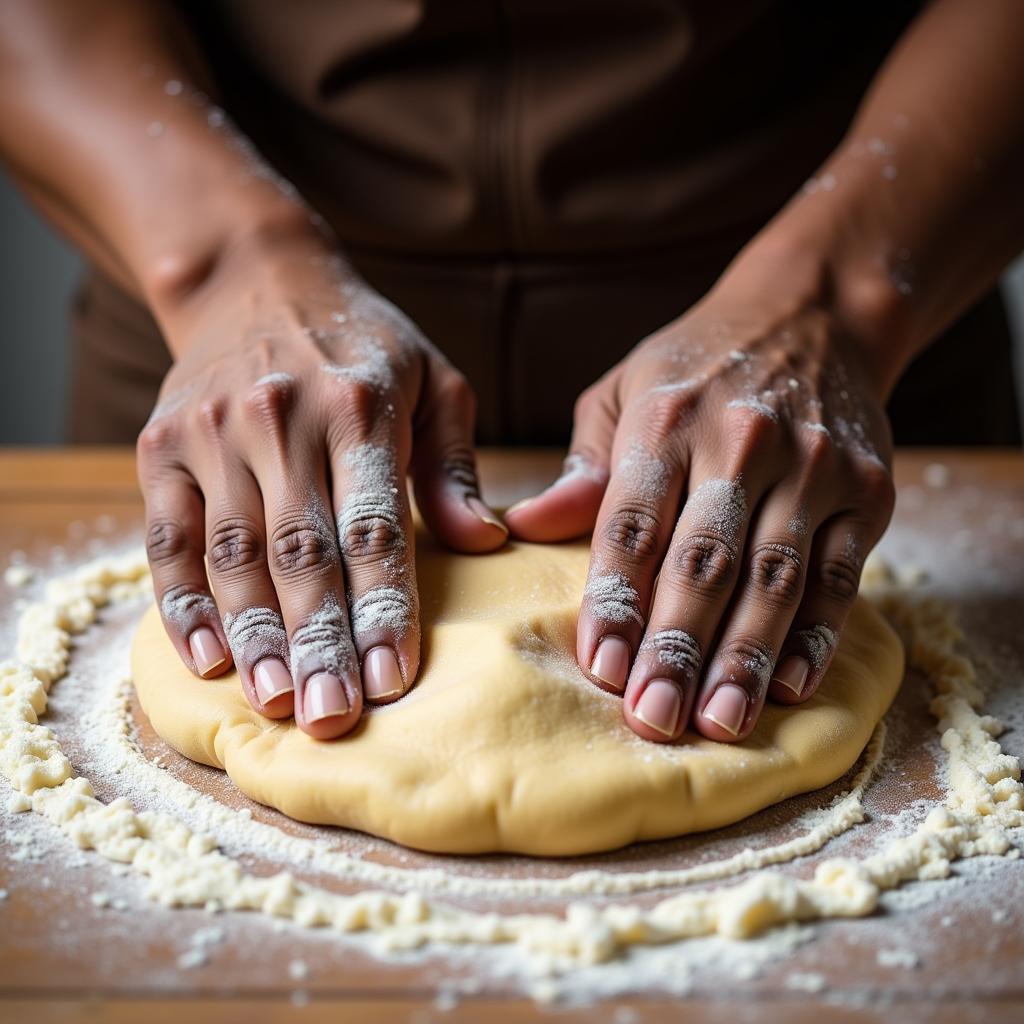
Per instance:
(792,673)
(206,650)
(325,697)
(271,679)
(381,675)
(659,706)
(611,662)
(483,513)
(727,708)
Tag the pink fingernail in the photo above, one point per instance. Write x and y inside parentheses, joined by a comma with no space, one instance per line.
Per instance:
(483,513)
(727,708)
(520,505)
(271,679)
(611,662)
(381,675)
(659,706)
(206,650)
(792,673)
(325,697)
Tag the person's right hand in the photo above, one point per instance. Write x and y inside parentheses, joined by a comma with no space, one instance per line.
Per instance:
(279,449)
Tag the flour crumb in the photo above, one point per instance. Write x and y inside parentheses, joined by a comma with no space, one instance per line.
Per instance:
(298,970)
(806,981)
(18,803)
(898,958)
(19,575)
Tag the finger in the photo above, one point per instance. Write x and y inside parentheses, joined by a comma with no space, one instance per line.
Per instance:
(444,467)
(633,528)
(376,541)
(568,508)
(305,565)
(694,588)
(767,596)
(174,547)
(236,552)
(837,559)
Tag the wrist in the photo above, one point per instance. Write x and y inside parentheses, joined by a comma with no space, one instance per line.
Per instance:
(805,263)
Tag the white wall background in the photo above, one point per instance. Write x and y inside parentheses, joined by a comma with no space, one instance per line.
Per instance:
(37,277)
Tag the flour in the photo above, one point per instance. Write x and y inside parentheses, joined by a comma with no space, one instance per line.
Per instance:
(755,405)
(816,643)
(676,649)
(323,642)
(384,608)
(718,506)
(984,801)
(255,633)
(186,608)
(613,598)
(370,502)
(643,474)
(18,575)
(278,379)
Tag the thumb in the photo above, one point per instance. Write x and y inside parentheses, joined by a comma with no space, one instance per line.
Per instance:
(568,507)
(443,468)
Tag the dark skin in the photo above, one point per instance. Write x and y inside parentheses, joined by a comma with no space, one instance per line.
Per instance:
(739,456)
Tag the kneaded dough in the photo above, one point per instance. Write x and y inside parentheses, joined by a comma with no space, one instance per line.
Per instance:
(503,744)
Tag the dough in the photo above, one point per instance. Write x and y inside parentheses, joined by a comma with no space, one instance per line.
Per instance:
(503,744)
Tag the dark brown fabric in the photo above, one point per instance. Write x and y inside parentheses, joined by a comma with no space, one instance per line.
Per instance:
(540,185)
(531,340)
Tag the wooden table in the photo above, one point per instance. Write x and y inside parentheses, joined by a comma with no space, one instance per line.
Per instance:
(973,503)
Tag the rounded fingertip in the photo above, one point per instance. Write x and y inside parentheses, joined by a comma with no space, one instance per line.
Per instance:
(329,709)
(792,681)
(274,688)
(566,510)
(655,710)
(209,655)
(723,716)
(382,676)
(466,524)
(610,665)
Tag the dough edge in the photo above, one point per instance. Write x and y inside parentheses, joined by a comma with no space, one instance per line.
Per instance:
(405,778)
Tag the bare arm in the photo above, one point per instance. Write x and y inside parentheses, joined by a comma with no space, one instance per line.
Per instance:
(299,399)
(759,412)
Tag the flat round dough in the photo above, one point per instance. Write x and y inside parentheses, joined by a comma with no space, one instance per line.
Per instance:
(503,744)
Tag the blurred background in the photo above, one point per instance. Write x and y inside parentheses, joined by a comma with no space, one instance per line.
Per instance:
(38,272)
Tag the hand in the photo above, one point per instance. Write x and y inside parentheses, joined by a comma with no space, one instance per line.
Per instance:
(734,468)
(279,448)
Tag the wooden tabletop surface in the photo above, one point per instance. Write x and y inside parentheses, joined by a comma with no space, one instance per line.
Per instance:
(969,505)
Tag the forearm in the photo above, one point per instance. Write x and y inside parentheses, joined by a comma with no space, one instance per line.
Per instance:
(104,121)
(918,211)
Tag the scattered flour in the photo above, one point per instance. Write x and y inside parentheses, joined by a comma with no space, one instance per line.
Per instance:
(185,868)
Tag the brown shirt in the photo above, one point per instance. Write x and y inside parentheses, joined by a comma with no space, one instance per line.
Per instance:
(538,183)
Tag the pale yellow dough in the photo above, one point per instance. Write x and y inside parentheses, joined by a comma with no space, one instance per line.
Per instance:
(504,744)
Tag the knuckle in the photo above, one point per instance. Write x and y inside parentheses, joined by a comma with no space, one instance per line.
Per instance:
(702,563)
(300,545)
(667,412)
(838,578)
(777,570)
(269,402)
(751,426)
(819,449)
(166,541)
(755,659)
(156,438)
(370,534)
(233,546)
(632,532)
(213,415)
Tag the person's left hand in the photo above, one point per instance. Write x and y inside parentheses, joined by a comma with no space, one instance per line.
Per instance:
(734,469)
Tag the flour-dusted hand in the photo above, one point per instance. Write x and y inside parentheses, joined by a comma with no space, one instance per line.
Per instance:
(735,470)
(279,449)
